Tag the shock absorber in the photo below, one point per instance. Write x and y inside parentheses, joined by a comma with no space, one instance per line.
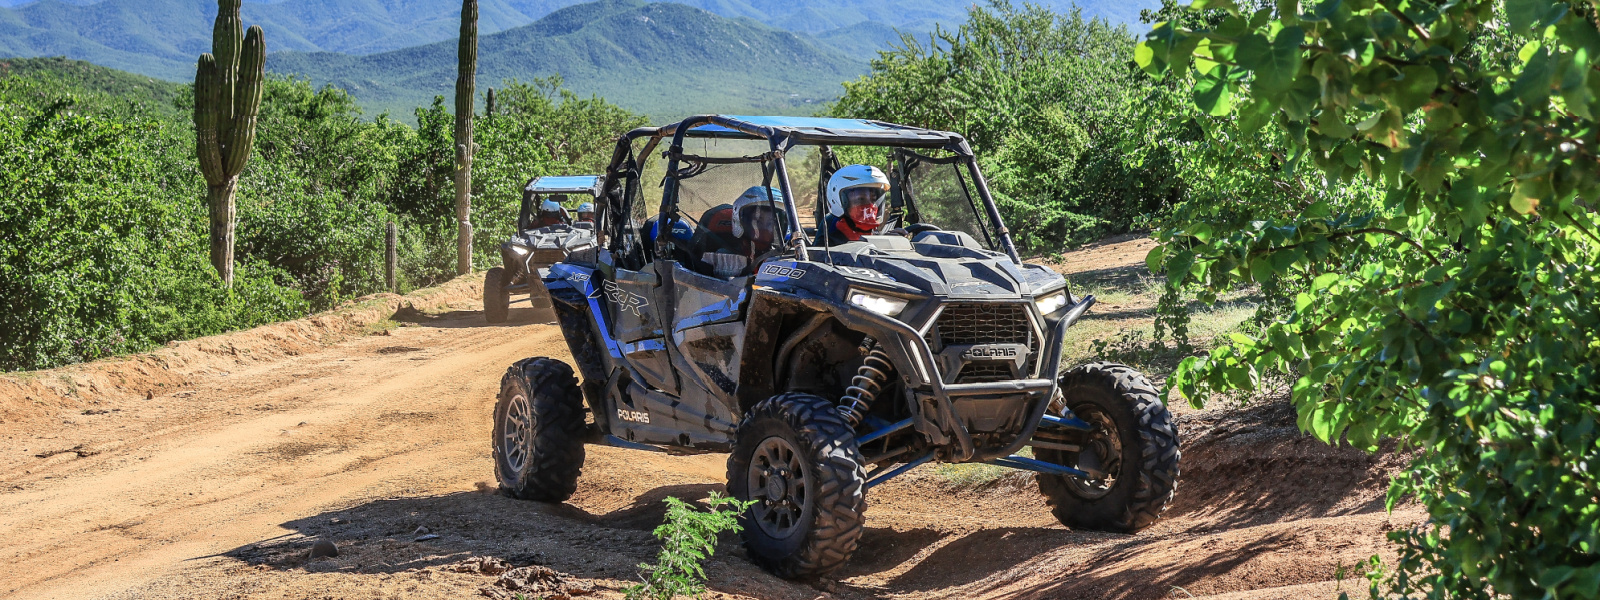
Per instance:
(866,385)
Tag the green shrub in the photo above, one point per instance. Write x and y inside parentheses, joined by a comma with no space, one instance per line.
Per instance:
(102,215)
(1455,307)
(96,256)
(688,538)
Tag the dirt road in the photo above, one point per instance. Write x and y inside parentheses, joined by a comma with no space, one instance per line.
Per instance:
(216,481)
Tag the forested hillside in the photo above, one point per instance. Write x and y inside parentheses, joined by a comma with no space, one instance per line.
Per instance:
(665,60)
(1052,109)
(103,225)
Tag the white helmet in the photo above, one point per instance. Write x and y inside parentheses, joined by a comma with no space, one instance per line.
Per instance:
(756,196)
(851,177)
(587,207)
(550,206)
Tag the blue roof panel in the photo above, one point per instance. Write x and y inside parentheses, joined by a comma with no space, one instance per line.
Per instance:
(566,185)
(812,122)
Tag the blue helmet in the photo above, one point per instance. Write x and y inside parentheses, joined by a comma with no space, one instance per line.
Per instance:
(755,196)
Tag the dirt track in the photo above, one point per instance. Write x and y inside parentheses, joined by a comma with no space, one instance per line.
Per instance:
(215,481)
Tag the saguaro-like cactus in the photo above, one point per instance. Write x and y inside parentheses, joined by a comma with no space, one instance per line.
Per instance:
(488,103)
(227,98)
(465,81)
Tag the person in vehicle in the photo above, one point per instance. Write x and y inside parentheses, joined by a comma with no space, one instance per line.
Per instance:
(855,195)
(586,212)
(715,232)
(551,212)
(681,234)
(757,224)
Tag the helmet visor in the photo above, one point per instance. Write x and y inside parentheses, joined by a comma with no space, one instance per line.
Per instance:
(858,196)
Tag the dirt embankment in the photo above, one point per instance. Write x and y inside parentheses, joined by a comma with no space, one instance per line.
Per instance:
(174,368)
(376,439)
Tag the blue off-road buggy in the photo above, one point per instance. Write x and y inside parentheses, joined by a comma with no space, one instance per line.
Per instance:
(546,233)
(825,369)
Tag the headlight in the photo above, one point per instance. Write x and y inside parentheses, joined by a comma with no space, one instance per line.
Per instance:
(519,250)
(887,306)
(1050,303)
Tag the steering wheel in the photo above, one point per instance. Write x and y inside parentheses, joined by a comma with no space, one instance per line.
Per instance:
(917,228)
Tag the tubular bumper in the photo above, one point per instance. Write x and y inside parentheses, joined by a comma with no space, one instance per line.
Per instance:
(915,360)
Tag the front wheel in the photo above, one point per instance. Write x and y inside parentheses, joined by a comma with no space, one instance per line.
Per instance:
(798,460)
(1131,452)
(496,300)
(538,431)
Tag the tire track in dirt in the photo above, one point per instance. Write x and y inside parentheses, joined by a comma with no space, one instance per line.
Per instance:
(96,524)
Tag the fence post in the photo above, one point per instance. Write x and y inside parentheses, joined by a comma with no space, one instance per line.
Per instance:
(391,257)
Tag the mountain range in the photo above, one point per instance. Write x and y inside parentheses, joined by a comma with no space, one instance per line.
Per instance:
(662,59)
(163,37)
(776,55)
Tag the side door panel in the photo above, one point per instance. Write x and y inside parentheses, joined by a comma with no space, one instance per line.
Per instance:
(708,332)
(640,335)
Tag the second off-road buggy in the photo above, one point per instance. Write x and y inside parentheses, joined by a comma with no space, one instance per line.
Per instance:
(538,244)
(829,370)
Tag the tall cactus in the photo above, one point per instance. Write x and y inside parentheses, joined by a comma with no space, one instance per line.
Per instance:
(465,81)
(227,98)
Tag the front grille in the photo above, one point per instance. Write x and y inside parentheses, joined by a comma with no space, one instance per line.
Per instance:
(964,324)
(985,372)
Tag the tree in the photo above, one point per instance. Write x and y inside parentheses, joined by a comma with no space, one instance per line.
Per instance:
(227,87)
(1453,309)
(1047,101)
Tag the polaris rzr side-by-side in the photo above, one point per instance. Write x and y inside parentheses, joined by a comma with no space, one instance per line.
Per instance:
(546,233)
(900,328)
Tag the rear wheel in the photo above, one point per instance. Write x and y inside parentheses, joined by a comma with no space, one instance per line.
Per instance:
(798,460)
(496,300)
(1132,452)
(538,431)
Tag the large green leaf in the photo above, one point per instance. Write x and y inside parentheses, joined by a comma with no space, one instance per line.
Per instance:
(1214,95)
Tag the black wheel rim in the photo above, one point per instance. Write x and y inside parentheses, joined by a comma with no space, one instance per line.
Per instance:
(1101,454)
(780,485)
(517,433)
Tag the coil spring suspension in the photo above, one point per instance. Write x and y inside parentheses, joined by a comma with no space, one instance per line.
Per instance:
(868,382)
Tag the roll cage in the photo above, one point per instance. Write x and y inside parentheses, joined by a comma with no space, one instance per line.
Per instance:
(782,134)
(592,185)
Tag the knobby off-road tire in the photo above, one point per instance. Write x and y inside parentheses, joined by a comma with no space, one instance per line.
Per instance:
(814,452)
(1146,472)
(496,300)
(538,431)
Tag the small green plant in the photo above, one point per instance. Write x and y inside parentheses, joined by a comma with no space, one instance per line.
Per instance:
(688,537)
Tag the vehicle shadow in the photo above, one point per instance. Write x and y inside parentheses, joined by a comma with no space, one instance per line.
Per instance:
(402,534)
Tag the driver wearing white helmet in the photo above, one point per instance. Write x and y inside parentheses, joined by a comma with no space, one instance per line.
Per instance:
(855,204)
(551,212)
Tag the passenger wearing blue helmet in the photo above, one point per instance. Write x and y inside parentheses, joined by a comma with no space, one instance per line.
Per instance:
(757,225)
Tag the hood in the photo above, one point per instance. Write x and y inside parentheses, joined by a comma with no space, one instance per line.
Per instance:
(933,266)
(554,237)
